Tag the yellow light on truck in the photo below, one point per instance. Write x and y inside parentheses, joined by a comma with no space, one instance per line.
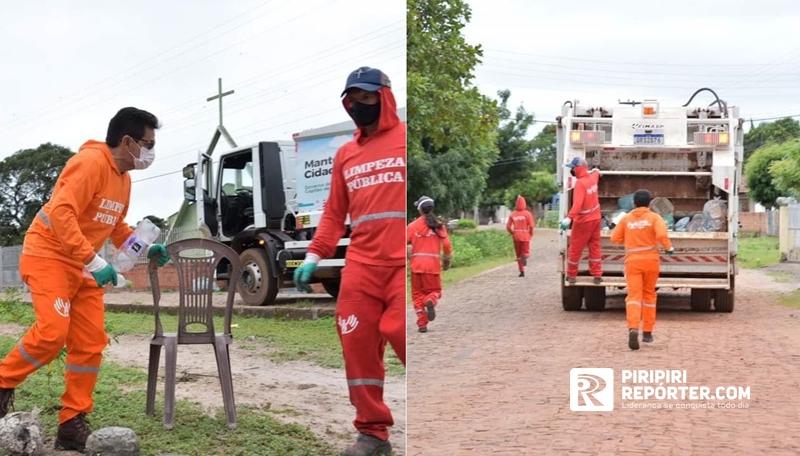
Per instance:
(261,242)
(723,138)
(293,263)
(711,138)
(575,136)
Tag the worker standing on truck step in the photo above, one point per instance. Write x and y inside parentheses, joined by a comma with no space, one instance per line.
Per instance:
(431,252)
(60,265)
(520,225)
(585,220)
(368,182)
(641,232)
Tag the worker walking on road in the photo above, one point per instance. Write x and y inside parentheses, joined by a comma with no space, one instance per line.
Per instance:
(60,265)
(368,182)
(584,217)
(520,225)
(641,231)
(429,240)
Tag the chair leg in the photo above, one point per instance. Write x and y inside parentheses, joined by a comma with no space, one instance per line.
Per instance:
(171,362)
(152,378)
(225,380)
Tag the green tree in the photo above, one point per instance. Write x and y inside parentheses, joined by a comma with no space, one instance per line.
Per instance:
(27,178)
(452,126)
(770,132)
(786,171)
(544,149)
(538,187)
(514,162)
(763,188)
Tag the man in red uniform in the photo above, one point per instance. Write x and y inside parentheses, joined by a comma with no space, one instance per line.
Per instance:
(520,226)
(428,239)
(368,183)
(65,275)
(585,220)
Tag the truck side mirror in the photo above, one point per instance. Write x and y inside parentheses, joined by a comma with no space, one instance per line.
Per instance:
(189,190)
(188,171)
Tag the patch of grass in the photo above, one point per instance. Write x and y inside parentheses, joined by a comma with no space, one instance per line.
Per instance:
(119,401)
(781,276)
(758,252)
(790,299)
(313,341)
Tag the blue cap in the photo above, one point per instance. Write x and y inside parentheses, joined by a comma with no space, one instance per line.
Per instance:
(577,161)
(366,78)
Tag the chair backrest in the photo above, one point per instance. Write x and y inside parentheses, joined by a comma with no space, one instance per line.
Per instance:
(196,262)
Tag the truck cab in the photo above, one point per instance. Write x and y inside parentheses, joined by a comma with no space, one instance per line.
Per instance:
(687,154)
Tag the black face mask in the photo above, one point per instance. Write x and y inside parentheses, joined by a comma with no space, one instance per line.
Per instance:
(364,114)
(572,171)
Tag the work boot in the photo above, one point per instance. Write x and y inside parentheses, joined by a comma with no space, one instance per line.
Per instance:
(429,307)
(633,339)
(521,273)
(647,336)
(423,329)
(6,400)
(571,280)
(367,445)
(597,280)
(72,434)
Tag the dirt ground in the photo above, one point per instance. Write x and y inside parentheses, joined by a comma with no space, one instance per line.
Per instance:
(491,377)
(297,392)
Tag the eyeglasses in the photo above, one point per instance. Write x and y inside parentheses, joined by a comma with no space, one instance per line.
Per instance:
(145,143)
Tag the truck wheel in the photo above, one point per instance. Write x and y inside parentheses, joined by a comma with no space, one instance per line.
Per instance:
(332,286)
(571,297)
(700,300)
(723,300)
(257,287)
(595,298)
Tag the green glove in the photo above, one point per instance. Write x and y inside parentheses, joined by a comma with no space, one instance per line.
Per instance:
(160,251)
(565,223)
(102,272)
(302,276)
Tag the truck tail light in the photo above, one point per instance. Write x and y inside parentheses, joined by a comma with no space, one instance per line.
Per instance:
(711,139)
(587,137)
(727,183)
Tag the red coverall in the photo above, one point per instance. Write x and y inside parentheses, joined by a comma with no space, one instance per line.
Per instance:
(426,267)
(520,225)
(641,231)
(369,183)
(89,204)
(585,215)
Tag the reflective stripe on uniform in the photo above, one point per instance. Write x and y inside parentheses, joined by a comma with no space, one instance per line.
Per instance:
(378,216)
(589,211)
(633,303)
(572,262)
(649,305)
(595,260)
(365,382)
(28,357)
(426,254)
(43,217)
(641,249)
(82,369)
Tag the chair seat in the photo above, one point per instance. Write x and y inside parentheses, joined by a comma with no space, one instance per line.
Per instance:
(191,339)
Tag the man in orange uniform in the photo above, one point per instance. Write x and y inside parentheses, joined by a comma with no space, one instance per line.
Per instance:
(65,275)
(520,225)
(428,239)
(368,182)
(641,231)
(585,220)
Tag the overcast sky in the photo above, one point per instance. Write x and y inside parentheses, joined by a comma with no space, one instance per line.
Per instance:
(69,66)
(598,52)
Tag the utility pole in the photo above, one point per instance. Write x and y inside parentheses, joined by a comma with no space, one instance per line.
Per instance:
(220,130)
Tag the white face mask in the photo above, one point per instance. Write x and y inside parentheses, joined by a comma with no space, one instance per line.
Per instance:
(146,157)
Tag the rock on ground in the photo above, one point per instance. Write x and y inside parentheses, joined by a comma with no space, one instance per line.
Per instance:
(113,441)
(21,434)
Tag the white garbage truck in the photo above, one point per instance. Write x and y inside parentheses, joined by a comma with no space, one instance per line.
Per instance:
(691,155)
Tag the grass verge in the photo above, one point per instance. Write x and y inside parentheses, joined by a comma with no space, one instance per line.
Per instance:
(758,252)
(119,401)
(791,300)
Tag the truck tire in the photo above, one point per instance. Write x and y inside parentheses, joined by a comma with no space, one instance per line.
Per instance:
(700,300)
(332,286)
(595,298)
(571,297)
(257,287)
(723,299)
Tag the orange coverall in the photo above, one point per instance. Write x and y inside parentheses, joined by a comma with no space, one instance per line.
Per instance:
(426,267)
(88,205)
(641,231)
(520,224)
(585,214)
